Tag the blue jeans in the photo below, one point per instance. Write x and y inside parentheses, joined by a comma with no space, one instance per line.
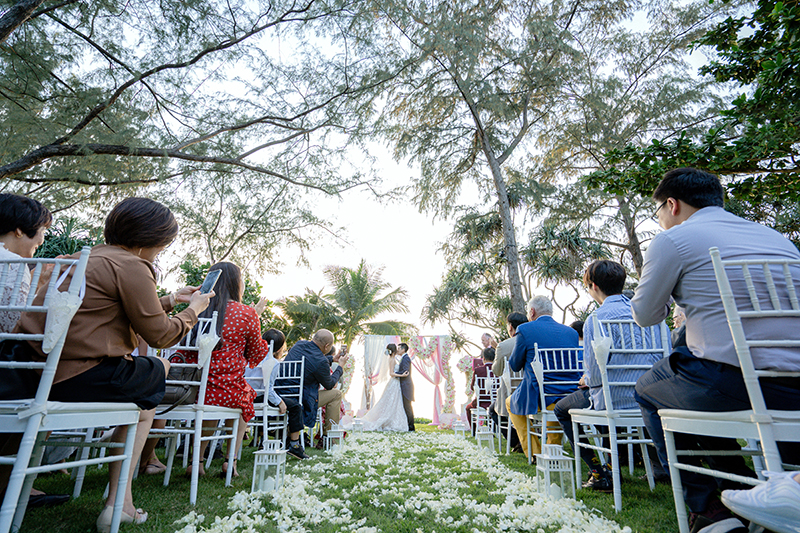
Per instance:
(683,381)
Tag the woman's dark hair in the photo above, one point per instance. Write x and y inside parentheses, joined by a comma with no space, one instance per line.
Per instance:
(697,188)
(228,288)
(578,326)
(140,223)
(392,349)
(516,320)
(277,337)
(19,212)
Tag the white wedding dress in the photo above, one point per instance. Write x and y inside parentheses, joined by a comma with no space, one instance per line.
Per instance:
(388,413)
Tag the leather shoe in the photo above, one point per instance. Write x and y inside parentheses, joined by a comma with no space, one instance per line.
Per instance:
(601,483)
(47,500)
(663,480)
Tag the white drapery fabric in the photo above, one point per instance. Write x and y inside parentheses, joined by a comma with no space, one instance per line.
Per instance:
(376,365)
(430,368)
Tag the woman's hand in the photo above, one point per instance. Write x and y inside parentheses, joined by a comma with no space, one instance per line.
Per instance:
(261,305)
(184,295)
(198,301)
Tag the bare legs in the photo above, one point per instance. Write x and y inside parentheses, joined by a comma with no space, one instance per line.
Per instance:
(142,430)
(237,443)
(149,452)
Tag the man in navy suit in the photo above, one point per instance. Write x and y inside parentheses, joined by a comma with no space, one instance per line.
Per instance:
(547,333)
(320,370)
(406,385)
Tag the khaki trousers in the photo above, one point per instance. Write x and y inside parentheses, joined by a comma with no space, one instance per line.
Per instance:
(520,424)
(331,400)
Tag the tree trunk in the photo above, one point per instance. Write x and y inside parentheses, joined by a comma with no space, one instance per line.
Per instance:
(14,17)
(509,236)
(634,245)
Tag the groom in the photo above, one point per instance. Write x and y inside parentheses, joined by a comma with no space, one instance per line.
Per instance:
(406,385)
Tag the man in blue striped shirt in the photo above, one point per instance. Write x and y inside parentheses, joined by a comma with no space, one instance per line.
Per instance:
(604,282)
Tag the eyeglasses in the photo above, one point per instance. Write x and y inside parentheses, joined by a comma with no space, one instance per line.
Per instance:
(655,213)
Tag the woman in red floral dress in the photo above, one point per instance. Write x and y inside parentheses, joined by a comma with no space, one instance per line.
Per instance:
(240,345)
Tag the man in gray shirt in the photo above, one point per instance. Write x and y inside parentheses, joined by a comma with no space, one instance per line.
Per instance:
(705,375)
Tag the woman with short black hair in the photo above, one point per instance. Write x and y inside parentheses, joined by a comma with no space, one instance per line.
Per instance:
(23,222)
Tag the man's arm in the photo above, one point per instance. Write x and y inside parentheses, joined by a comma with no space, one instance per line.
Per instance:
(322,373)
(517,359)
(660,274)
(405,365)
(591,370)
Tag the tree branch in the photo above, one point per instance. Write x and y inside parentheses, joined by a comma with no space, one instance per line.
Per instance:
(63,150)
(16,16)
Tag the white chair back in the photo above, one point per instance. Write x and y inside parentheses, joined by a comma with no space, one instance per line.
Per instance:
(633,351)
(11,280)
(781,278)
(258,377)
(291,370)
(201,341)
(484,390)
(556,367)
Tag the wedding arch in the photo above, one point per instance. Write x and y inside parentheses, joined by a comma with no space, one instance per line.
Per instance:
(430,356)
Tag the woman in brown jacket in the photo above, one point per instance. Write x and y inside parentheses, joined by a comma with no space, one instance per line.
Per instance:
(120,301)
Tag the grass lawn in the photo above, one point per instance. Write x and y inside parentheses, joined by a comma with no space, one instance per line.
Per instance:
(405,483)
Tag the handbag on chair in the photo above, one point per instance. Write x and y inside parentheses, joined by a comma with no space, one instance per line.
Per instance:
(180,394)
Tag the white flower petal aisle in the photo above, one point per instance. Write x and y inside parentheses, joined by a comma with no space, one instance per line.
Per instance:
(414,482)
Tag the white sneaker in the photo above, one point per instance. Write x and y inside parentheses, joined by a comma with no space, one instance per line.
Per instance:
(774,504)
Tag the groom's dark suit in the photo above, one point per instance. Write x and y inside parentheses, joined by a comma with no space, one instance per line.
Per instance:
(407,387)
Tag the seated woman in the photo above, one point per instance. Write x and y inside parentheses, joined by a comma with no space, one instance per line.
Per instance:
(240,345)
(23,222)
(120,299)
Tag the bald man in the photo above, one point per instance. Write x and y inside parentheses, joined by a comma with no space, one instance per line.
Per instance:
(320,370)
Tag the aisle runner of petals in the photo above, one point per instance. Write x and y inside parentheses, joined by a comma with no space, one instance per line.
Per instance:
(429,481)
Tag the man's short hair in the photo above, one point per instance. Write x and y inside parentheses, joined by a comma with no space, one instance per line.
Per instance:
(277,337)
(488,354)
(609,276)
(695,187)
(541,304)
(404,346)
(516,319)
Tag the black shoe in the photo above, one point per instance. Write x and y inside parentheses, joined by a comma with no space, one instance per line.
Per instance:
(662,479)
(47,500)
(296,451)
(599,483)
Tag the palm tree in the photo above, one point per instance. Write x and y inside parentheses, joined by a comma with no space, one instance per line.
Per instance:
(307,313)
(357,299)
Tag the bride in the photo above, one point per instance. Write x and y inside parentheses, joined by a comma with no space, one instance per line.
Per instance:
(388,413)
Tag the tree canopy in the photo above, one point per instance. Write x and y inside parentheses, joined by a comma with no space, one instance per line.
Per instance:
(753,144)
